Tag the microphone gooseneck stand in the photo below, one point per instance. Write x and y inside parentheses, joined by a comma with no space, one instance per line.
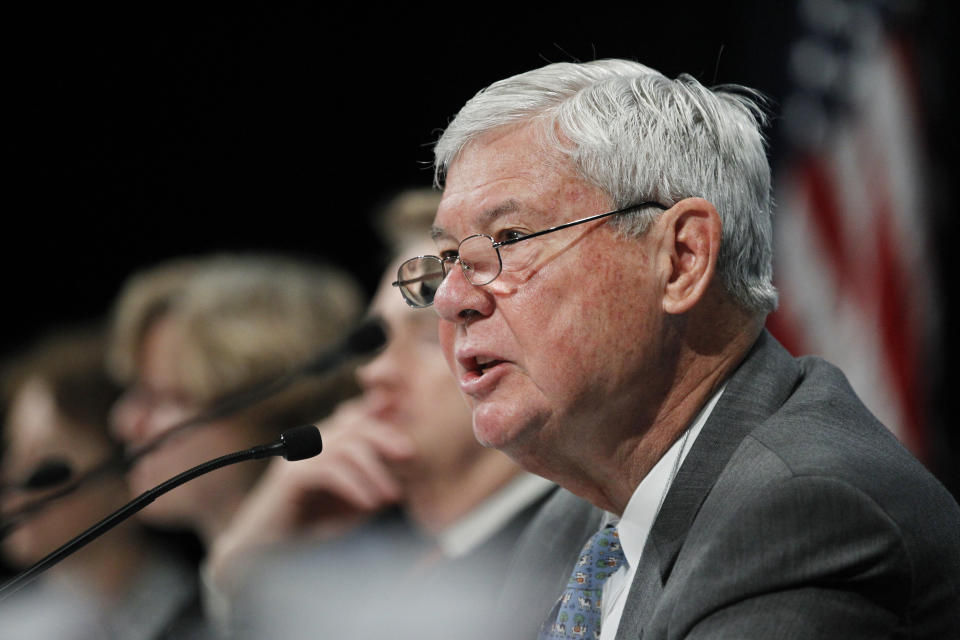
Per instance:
(294,444)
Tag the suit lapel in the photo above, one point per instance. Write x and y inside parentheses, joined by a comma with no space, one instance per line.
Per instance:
(757,388)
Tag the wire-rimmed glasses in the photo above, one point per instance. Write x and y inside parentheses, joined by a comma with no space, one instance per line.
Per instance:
(479,257)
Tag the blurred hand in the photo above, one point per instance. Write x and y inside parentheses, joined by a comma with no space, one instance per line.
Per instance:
(320,498)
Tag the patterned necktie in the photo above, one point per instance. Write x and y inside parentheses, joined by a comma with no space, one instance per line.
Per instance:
(577,613)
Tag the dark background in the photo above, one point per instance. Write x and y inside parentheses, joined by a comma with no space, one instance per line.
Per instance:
(134,135)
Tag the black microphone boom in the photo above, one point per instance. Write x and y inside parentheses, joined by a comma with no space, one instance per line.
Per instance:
(298,443)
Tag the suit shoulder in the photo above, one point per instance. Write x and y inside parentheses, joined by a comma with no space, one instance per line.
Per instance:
(822,428)
(818,547)
(825,453)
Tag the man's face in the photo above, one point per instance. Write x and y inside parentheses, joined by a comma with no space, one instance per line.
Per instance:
(408,387)
(564,341)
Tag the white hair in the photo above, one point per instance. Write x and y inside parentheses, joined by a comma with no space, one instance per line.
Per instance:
(637,135)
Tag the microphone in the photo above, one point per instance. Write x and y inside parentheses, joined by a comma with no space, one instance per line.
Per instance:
(294,444)
(49,473)
(364,340)
(298,443)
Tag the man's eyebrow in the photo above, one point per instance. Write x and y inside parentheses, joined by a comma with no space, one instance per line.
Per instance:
(486,218)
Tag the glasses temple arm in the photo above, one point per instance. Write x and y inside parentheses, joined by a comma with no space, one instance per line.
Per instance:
(497,245)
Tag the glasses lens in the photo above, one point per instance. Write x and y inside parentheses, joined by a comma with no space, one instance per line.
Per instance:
(480,261)
(419,279)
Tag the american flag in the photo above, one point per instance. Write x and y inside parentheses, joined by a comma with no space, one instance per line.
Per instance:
(851,225)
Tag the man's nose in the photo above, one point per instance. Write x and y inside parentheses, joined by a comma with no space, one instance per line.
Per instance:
(382,370)
(456,299)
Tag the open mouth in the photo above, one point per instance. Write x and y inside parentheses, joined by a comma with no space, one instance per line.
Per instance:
(481,373)
(482,365)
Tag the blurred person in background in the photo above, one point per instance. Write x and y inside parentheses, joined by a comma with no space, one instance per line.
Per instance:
(188,332)
(404,519)
(57,399)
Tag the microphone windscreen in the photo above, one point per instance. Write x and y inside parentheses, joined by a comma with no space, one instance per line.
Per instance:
(365,339)
(49,473)
(368,337)
(301,443)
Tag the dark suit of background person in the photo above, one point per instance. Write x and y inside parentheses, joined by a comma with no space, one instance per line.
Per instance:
(617,289)
(739,548)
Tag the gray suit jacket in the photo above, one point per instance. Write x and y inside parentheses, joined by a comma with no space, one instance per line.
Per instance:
(795,515)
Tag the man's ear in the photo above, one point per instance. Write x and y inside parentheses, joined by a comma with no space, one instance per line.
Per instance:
(691,240)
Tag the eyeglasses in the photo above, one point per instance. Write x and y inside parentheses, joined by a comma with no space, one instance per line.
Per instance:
(479,258)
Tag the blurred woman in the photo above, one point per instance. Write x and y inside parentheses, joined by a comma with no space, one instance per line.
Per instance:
(57,399)
(189,332)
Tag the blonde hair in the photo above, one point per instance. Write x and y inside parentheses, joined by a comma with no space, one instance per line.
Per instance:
(144,297)
(243,318)
(407,218)
(255,316)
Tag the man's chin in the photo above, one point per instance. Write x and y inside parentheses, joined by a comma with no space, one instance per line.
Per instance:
(498,429)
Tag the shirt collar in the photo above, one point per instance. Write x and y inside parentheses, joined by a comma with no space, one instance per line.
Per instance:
(644,505)
(491,515)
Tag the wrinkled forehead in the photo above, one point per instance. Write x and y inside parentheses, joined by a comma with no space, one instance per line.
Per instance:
(479,216)
(509,175)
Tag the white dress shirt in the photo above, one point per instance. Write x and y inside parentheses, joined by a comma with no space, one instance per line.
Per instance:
(638,518)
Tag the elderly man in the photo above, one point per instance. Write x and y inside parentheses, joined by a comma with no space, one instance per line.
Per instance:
(603,276)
